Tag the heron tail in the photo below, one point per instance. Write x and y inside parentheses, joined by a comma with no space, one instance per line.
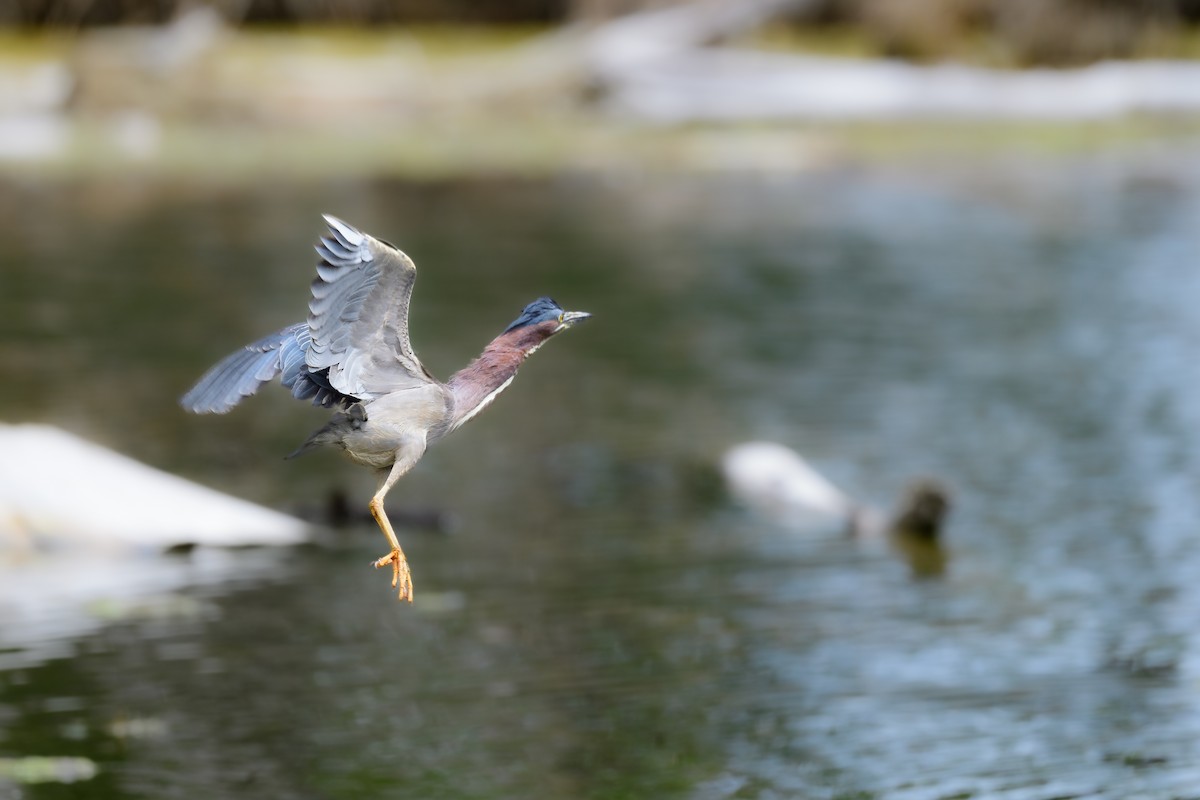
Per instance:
(334,431)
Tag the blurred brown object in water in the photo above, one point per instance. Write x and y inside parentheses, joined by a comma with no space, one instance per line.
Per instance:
(915,529)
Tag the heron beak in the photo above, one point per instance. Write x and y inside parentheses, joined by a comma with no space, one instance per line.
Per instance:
(571,317)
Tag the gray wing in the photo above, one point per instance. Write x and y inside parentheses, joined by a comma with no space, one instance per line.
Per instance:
(240,374)
(358,315)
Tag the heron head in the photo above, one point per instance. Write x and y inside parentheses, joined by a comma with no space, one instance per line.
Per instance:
(546,317)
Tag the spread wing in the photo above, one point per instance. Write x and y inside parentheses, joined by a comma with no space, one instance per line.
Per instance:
(358,315)
(243,372)
(240,374)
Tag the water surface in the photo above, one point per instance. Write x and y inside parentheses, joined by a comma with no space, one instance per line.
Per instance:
(602,622)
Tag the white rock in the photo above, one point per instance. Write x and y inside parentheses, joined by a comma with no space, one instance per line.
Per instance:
(57,486)
(40,88)
(774,480)
(32,137)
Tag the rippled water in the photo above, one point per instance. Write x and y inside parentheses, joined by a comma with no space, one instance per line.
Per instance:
(601,622)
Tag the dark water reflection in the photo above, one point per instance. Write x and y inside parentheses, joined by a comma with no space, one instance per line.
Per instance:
(602,623)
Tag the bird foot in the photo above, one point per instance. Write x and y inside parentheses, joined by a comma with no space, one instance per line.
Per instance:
(401,574)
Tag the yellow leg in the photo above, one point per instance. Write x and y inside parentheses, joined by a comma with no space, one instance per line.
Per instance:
(406,457)
(401,574)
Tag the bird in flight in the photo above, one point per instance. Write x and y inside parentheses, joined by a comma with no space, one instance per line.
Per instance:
(353,355)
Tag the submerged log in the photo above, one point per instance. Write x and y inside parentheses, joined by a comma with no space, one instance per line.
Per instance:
(775,482)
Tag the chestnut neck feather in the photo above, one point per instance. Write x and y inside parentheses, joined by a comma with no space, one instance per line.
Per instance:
(476,385)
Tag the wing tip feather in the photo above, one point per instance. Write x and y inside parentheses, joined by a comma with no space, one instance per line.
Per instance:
(344,230)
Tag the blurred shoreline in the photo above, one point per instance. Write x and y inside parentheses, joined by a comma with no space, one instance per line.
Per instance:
(197,100)
(217,155)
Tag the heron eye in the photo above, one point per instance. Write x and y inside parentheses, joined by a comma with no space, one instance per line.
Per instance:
(560,317)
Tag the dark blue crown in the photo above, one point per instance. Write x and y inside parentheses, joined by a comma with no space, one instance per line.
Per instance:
(540,310)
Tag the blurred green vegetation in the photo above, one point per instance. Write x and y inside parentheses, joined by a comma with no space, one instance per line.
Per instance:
(143,12)
(982,46)
(1023,32)
(999,32)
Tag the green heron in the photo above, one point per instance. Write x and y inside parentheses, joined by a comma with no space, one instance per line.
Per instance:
(353,354)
